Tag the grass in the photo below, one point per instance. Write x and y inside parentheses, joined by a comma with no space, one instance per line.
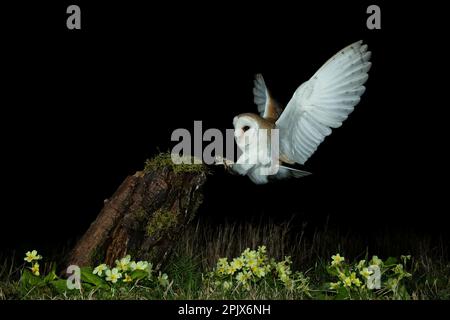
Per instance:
(203,244)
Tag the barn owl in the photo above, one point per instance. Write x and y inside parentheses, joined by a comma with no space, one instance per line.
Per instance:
(318,105)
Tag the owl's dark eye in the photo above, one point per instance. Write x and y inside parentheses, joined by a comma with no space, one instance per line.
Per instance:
(245,128)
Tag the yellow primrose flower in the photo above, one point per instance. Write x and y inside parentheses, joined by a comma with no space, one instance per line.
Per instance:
(113,275)
(287,261)
(31,256)
(284,278)
(281,268)
(222,266)
(347,282)
(237,263)
(230,269)
(376,261)
(398,269)
(262,249)
(337,259)
(259,272)
(226,285)
(163,279)
(252,262)
(99,269)
(249,254)
(140,265)
(240,277)
(127,278)
(365,272)
(334,285)
(354,279)
(289,284)
(123,264)
(361,264)
(405,258)
(221,271)
(342,276)
(243,277)
(35,269)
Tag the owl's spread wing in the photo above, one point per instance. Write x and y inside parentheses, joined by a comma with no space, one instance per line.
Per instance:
(323,102)
(268,108)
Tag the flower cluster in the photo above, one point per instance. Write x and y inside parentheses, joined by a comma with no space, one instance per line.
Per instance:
(367,275)
(250,268)
(127,270)
(124,271)
(348,277)
(32,257)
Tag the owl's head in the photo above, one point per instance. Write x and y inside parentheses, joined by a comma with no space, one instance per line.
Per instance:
(245,129)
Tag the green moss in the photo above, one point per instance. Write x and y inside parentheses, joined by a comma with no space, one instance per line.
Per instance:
(164,160)
(140,214)
(161,221)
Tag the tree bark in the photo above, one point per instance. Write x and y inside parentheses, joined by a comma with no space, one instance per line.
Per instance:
(144,218)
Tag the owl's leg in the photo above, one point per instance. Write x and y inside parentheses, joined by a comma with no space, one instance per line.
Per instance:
(241,166)
(219,160)
(227,164)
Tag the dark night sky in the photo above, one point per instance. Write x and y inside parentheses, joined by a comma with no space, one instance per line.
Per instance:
(82,110)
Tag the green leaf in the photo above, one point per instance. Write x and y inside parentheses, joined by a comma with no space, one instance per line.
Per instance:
(403,293)
(28,280)
(93,279)
(319,295)
(138,274)
(60,285)
(332,271)
(89,287)
(390,261)
(342,294)
(51,275)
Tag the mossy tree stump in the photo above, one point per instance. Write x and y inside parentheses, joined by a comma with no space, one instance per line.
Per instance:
(145,216)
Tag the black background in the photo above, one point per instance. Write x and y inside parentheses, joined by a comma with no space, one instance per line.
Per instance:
(82,109)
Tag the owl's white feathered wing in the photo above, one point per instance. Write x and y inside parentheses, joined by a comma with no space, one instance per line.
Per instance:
(323,102)
(268,108)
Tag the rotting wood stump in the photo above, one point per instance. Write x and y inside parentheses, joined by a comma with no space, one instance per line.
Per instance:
(146,215)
